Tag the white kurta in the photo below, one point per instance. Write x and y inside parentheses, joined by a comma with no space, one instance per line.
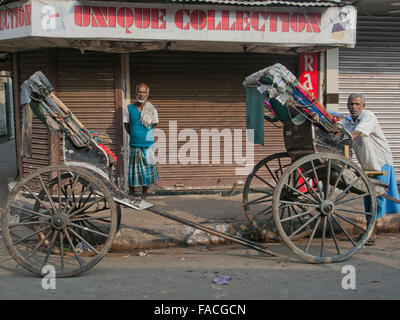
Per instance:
(372,149)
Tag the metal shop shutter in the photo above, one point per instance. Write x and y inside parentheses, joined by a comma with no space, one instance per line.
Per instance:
(86,85)
(201,91)
(373,68)
(30,62)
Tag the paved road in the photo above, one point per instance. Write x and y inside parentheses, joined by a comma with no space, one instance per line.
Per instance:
(183,273)
(187,273)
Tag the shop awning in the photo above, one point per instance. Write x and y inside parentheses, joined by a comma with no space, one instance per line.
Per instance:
(301,3)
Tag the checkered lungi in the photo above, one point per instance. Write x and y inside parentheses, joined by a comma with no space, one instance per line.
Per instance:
(142,167)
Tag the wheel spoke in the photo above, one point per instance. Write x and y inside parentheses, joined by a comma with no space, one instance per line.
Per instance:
(337,181)
(297,215)
(86,222)
(280,166)
(343,193)
(86,207)
(264,211)
(343,229)
(89,230)
(312,234)
(47,193)
(86,218)
(304,225)
(37,246)
(272,175)
(328,180)
(40,201)
(73,205)
(65,194)
(83,191)
(50,248)
(282,211)
(316,179)
(87,199)
(301,193)
(81,263)
(351,222)
(71,194)
(256,201)
(365,213)
(32,234)
(290,221)
(308,185)
(334,236)
(265,191)
(359,196)
(62,250)
(268,184)
(323,238)
(84,241)
(301,203)
(267,222)
(30,218)
(59,189)
(299,218)
(88,236)
(34,213)
(13,225)
(91,213)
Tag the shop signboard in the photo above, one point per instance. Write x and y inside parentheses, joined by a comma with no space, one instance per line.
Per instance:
(285,26)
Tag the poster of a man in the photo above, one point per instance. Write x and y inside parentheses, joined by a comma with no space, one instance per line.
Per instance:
(341,23)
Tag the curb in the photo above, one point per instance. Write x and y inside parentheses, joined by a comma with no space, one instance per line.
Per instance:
(389,223)
(128,238)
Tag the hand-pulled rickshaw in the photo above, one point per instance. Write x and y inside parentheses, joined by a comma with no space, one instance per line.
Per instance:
(67,215)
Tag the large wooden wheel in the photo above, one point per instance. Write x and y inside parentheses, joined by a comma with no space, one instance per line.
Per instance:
(68,179)
(258,193)
(60,216)
(324,194)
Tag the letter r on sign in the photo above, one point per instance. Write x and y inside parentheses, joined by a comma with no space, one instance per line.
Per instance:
(308,61)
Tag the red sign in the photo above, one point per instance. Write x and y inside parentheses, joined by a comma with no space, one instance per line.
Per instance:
(15,18)
(185,19)
(309,72)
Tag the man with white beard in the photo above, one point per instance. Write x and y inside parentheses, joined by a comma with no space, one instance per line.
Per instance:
(139,120)
(373,153)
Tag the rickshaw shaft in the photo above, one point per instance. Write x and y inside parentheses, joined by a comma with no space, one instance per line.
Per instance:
(230,237)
